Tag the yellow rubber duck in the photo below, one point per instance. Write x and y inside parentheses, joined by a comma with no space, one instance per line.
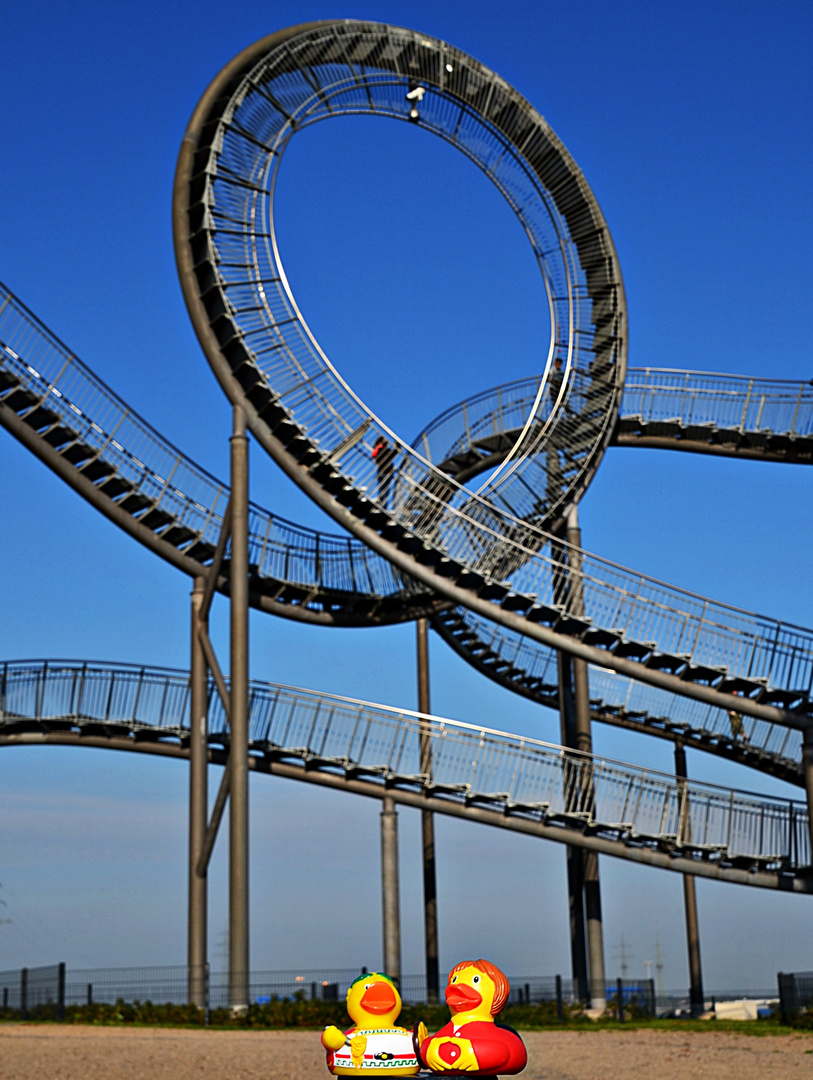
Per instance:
(374,1043)
(473,1043)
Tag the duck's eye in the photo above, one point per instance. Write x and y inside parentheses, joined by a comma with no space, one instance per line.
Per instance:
(454,980)
(475,980)
(367,986)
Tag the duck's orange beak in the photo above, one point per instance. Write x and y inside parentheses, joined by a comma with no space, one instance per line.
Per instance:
(379,999)
(459,996)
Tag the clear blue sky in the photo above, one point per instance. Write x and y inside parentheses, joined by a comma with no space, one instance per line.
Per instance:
(692,124)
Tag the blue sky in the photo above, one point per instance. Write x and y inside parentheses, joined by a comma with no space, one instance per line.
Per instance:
(692,125)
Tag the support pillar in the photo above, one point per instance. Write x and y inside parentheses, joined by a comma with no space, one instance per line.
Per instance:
(807,765)
(696,999)
(430,892)
(390,898)
(198,807)
(238,744)
(584,743)
(575,855)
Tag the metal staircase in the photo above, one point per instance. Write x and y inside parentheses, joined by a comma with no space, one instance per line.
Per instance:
(480,550)
(303,573)
(701,412)
(762,419)
(527,668)
(427,543)
(476,772)
(72,421)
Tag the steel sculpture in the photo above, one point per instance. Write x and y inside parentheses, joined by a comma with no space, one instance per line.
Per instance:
(481,550)
(58,408)
(489,567)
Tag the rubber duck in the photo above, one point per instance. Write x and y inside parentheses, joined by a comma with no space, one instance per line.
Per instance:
(473,1043)
(374,1043)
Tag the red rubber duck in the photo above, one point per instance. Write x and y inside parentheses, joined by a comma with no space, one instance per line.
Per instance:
(473,1043)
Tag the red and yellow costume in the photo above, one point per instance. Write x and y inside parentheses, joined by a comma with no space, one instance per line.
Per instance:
(472,1043)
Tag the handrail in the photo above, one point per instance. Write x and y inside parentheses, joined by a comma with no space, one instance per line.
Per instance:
(530,669)
(69,398)
(487,550)
(471,762)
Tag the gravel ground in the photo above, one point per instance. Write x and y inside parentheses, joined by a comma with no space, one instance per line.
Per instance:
(42,1052)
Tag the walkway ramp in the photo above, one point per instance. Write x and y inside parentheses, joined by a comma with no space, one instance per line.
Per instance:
(530,669)
(303,573)
(486,550)
(61,411)
(471,772)
(694,411)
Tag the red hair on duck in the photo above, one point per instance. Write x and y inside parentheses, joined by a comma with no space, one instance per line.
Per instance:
(501,984)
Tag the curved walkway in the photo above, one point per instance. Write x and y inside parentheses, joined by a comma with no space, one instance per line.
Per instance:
(473,772)
(305,574)
(485,551)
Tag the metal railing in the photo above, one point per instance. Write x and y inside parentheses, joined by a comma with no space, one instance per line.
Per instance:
(170,984)
(30,989)
(65,396)
(470,764)
(46,992)
(533,668)
(489,535)
(795,994)
(689,398)
(723,402)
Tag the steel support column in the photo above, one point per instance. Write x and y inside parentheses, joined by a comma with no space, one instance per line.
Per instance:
(574,855)
(198,807)
(390,898)
(807,765)
(696,999)
(584,743)
(430,894)
(238,742)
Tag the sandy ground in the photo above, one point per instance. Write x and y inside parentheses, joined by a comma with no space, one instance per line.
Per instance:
(42,1052)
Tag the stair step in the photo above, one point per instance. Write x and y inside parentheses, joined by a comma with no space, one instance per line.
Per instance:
(97,469)
(20,399)
(59,435)
(155,519)
(77,452)
(601,638)
(178,535)
(115,486)
(7,380)
(201,551)
(41,417)
(134,502)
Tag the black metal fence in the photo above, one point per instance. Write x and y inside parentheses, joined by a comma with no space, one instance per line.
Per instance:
(30,988)
(27,990)
(795,994)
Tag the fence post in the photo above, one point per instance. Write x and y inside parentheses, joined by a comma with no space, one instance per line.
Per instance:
(24,993)
(619,986)
(560,1005)
(60,992)
(90,993)
(787,995)
(653,1001)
